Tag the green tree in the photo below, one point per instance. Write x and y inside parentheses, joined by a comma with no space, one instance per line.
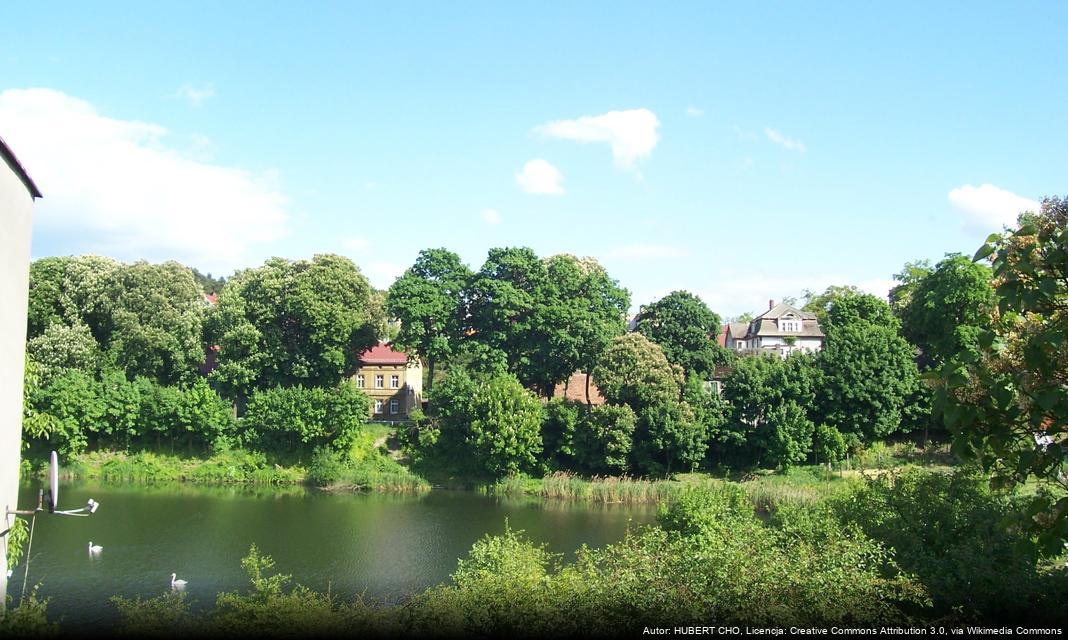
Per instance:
(867,369)
(603,439)
(1007,403)
(784,438)
(764,395)
(948,309)
(828,444)
(73,290)
(686,329)
(669,438)
(562,420)
(429,302)
(900,296)
(544,318)
(207,283)
(158,318)
(868,376)
(505,426)
(62,347)
(77,411)
(635,372)
(821,303)
(292,322)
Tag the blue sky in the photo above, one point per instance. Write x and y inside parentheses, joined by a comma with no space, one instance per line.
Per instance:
(742,153)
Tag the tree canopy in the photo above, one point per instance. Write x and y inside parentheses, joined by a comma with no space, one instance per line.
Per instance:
(545,318)
(428,300)
(1007,401)
(292,322)
(635,372)
(947,308)
(867,369)
(686,329)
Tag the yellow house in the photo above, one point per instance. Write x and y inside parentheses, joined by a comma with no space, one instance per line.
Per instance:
(394,384)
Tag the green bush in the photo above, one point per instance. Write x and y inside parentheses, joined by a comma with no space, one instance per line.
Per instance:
(949,529)
(168,614)
(603,438)
(296,420)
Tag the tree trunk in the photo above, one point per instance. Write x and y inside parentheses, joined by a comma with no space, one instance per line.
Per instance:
(589,402)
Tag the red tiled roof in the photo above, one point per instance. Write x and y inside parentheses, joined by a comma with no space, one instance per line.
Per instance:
(383,354)
(211,298)
(721,339)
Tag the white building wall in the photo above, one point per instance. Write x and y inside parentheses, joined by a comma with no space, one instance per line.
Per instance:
(16,206)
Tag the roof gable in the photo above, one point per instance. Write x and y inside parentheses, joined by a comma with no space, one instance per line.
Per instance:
(782,309)
(383,353)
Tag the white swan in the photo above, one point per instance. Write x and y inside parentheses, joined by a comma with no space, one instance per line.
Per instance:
(177,584)
(94,548)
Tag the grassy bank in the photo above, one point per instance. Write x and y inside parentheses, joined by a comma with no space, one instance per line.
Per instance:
(368,474)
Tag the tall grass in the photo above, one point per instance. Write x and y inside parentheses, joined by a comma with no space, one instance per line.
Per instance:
(231,467)
(767,492)
(568,486)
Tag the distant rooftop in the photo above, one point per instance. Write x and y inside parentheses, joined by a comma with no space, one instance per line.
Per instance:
(382,353)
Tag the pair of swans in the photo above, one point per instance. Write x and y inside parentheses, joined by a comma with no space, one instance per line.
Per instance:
(178,585)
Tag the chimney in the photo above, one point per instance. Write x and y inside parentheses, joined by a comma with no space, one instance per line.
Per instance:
(771,305)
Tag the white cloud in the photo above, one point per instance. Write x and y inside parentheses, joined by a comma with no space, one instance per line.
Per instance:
(989,208)
(631,133)
(694,112)
(355,243)
(382,274)
(195,95)
(639,251)
(117,186)
(540,177)
(491,216)
(789,143)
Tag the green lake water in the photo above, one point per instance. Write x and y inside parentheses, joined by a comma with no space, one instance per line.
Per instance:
(383,546)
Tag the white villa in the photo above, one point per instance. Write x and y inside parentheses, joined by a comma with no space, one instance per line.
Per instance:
(781,330)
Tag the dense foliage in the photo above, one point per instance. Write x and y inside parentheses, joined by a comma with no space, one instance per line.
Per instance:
(867,370)
(89,313)
(1007,401)
(543,318)
(947,309)
(290,323)
(686,329)
(296,420)
(428,300)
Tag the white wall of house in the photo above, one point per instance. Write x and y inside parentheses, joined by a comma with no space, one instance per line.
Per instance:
(16,206)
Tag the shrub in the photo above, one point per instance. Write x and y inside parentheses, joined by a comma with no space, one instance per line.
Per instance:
(949,530)
(298,419)
(603,439)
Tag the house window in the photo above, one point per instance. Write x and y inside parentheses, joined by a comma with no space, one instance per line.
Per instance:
(740,344)
(394,382)
(359,381)
(394,406)
(378,406)
(379,381)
